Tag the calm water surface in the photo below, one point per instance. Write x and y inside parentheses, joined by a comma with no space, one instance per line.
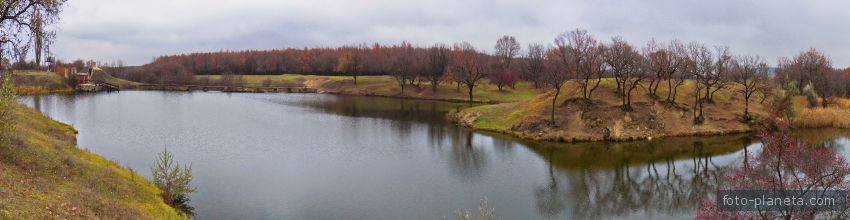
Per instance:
(314,156)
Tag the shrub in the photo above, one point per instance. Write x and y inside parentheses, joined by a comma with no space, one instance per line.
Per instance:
(811,95)
(484,212)
(784,163)
(173,181)
(791,89)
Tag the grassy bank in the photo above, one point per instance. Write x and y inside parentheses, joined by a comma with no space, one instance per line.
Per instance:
(524,111)
(39,83)
(577,120)
(44,175)
(385,86)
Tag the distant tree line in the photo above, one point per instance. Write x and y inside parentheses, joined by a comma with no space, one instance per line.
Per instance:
(574,56)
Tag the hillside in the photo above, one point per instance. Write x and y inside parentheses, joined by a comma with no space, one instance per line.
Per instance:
(39,82)
(603,119)
(44,175)
(108,78)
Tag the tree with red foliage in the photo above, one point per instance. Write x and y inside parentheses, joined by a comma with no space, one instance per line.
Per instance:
(504,77)
(785,163)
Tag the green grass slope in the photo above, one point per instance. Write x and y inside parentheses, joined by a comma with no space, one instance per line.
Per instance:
(578,121)
(44,175)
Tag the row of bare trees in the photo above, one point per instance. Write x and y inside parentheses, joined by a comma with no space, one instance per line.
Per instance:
(578,56)
(575,56)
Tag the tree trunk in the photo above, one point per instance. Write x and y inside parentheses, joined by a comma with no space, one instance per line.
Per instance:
(623,99)
(434,84)
(697,97)
(619,87)
(554,100)
(355,80)
(670,90)
(711,95)
(470,93)
(675,92)
(590,93)
(584,88)
(627,96)
(746,108)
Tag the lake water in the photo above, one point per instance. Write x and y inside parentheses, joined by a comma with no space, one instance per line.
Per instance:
(316,156)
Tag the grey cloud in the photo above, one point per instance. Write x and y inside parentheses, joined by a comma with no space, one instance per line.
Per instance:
(136,31)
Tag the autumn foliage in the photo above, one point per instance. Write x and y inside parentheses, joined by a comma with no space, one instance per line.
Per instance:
(784,163)
(504,77)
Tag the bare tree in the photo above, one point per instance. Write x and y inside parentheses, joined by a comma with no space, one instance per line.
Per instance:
(438,63)
(812,66)
(403,64)
(555,74)
(710,73)
(628,67)
(663,63)
(828,85)
(718,77)
(675,75)
(803,68)
(469,66)
(655,55)
(584,54)
(750,74)
(20,47)
(507,48)
(534,64)
(699,68)
(26,19)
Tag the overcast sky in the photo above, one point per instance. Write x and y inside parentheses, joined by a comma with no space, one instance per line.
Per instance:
(136,31)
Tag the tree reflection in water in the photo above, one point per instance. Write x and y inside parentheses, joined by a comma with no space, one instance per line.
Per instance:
(599,180)
(661,178)
(467,161)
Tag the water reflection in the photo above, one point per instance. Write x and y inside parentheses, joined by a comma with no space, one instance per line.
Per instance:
(666,177)
(342,157)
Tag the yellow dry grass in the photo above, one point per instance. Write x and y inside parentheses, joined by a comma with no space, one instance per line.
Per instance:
(843,103)
(835,117)
(30,90)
